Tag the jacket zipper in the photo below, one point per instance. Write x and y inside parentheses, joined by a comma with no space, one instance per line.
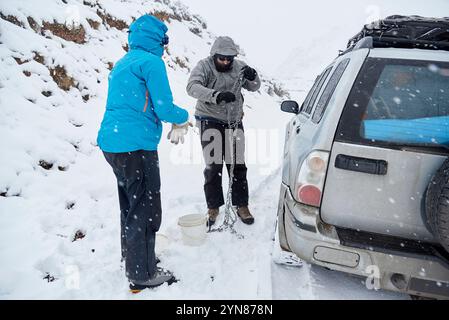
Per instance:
(146,101)
(146,106)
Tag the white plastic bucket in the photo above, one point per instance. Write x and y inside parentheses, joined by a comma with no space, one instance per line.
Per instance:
(193,229)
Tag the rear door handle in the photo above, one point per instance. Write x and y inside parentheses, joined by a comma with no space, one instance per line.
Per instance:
(365,165)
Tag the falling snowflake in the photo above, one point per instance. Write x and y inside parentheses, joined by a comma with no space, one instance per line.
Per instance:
(433,68)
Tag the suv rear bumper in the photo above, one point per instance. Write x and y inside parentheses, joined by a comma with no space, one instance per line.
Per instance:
(318,243)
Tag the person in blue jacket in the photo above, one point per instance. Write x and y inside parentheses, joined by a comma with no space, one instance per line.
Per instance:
(139,99)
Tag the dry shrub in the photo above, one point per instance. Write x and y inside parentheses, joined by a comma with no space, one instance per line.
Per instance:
(75,34)
(11,19)
(279,91)
(181,63)
(34,25)
(111,21)
(64,81)
(195,31)
(94,24)
(38,58)
(161,15)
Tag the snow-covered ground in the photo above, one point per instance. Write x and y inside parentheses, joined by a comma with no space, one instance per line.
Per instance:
(59,215)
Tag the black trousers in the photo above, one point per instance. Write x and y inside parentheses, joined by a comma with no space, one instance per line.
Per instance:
(216,151)
(138,182)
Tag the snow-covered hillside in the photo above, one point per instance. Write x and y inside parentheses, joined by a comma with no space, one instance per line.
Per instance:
(59,215)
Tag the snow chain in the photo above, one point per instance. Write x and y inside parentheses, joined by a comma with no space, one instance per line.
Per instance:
(230,212)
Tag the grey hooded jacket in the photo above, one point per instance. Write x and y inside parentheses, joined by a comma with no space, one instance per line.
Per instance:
(205,83)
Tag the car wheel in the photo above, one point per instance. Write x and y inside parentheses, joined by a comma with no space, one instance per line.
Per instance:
(437,204)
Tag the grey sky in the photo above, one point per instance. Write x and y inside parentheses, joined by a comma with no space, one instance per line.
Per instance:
(273,31)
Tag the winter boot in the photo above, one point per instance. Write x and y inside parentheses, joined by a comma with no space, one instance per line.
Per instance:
(213,214)
(245,215)
(160,277)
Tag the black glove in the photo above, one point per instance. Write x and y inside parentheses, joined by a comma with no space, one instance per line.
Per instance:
(225,96)
(249,73)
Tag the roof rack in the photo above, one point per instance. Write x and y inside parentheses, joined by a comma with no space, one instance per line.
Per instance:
(403,32)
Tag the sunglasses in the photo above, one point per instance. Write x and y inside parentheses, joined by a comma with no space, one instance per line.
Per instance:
(224,58)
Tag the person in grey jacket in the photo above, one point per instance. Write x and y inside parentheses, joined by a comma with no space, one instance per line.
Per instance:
(220,108)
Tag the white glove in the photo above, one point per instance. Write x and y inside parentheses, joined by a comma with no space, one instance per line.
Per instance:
(178,131)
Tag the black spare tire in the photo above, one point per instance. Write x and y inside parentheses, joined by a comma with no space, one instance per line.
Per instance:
(437,204)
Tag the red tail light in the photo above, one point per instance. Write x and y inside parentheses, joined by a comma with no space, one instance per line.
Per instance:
(310,195)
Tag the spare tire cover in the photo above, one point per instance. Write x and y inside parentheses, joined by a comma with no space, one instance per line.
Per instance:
(437,204)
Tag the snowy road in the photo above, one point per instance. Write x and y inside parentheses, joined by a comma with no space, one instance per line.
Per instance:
(315,282)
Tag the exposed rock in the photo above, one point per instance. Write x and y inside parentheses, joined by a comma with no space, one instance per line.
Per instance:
(49,277)
(89,3)
(70,205)
(76,124)
(19,61)
(78,235)
(46,165)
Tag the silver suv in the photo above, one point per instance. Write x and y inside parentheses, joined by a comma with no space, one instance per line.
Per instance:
(365,179)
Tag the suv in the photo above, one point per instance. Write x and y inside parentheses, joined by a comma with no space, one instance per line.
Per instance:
(365,177)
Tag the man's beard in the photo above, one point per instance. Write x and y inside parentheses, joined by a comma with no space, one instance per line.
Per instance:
(222,68)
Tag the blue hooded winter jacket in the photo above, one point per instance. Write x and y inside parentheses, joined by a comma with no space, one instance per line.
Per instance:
(139,95)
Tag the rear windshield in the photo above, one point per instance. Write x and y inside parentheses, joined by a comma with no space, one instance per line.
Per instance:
(398,102)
